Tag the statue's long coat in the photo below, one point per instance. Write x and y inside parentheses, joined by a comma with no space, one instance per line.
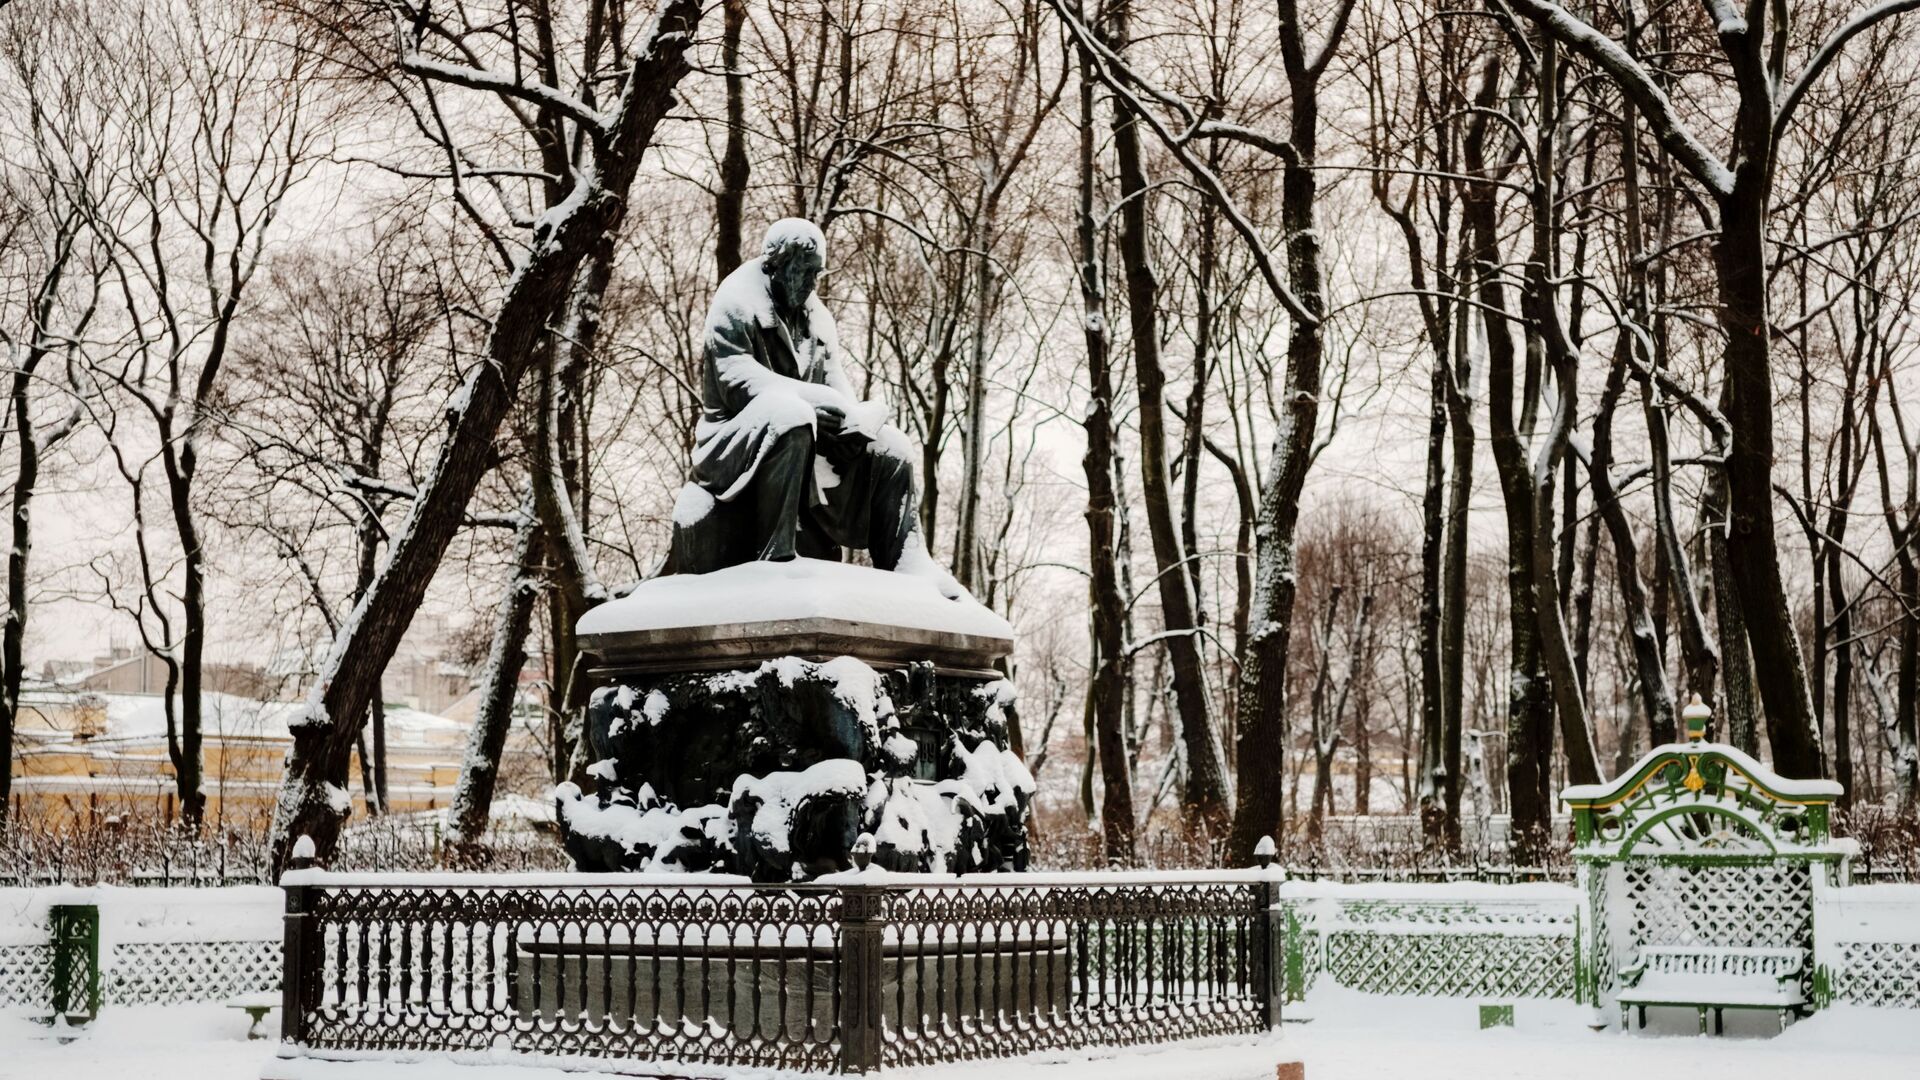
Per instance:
(762,377)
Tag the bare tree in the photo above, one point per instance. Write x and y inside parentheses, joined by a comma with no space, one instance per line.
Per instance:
(1754,42)
(208,131)
(51,295)
(598,177)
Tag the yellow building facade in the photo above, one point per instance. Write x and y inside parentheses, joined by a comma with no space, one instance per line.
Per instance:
(94,755)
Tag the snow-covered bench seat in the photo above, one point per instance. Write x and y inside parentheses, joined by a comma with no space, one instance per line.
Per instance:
(1704,977)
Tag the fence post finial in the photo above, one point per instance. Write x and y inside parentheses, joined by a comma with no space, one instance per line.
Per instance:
(303,852)
(1696,715)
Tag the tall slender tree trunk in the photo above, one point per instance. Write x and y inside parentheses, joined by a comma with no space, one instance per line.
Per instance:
(1107,693)
(1649,665)
(187,762)
(1206,797)
(1754,564)
(26,484)
(1739,706)
(1453,628)
(1906,745)
(473,793)
(577,586)
(1529,704)
(1433,710)
(1261,713)
(1842,716)
(1549,337)
(730,203)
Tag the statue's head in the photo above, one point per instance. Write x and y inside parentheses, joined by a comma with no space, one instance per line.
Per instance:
(793,255)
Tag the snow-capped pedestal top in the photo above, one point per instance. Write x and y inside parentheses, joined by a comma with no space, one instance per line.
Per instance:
(807,606)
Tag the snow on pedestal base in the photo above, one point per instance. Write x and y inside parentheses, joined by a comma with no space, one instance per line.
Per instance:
(757,719)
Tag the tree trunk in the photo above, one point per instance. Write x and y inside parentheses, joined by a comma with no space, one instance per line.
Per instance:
(33,443)
(1649,666)
(1754,563)
(966,545)
(730,203)
(1739,711)
(480,768)
(13,618)
(193,639)
(1453,600)
(1261,713)
(1206,799)
(1433,711)
(577,586)
(1107,692)
(378,720)
(1549,339)
(1906,749)
(1842,670)
(1529,706)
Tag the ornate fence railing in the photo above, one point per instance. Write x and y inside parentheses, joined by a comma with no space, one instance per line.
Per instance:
(866,972)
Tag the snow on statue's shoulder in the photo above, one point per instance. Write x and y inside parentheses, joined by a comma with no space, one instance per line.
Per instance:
(779,601)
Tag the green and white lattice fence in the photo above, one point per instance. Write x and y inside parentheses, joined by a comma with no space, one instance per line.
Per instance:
(1454,940)
(70,951)
(1528,941)
(1866,945)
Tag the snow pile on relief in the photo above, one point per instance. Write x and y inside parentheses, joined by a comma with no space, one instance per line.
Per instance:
(998,776)
(779,796)
(655,835)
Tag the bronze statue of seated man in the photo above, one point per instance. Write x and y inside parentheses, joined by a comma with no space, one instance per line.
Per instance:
(787,460)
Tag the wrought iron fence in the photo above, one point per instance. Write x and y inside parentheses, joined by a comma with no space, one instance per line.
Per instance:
(825,978)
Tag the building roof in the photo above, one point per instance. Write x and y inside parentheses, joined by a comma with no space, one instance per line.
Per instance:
(139,718)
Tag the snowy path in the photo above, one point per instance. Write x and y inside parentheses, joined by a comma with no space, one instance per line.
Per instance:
(1352,1038)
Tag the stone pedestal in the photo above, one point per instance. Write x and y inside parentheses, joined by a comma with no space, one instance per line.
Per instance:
(758,719)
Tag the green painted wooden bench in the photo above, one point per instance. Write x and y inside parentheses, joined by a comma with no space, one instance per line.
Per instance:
(1710,978)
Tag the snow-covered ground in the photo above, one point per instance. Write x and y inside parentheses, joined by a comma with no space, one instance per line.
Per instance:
(1352,1037)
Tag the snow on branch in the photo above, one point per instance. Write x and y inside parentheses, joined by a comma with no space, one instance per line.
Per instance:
(1633,79)
(1829,49)
(474,78)
(377,485)
(1727,19)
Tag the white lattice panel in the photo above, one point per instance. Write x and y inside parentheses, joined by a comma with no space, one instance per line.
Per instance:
(1452,965)
(1766,906)
(164,973)
(1867,942)
(26,976)
(1482,947)
(1883,973)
